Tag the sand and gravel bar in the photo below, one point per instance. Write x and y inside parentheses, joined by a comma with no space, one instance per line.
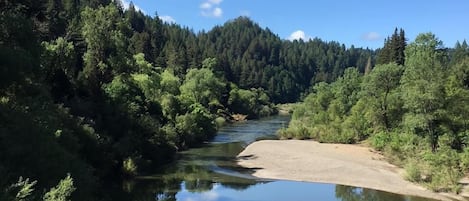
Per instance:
(310,161)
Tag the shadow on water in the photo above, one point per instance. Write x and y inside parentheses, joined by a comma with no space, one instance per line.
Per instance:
(210,173)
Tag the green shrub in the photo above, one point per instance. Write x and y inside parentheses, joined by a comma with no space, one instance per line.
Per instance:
(412,172)
(465,160)
(444,180)
(445,170)
(301,133)
(349,136)
(380,140)
(284,133)
(296,130)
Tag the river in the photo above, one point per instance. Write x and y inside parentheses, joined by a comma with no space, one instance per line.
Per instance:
(210,173)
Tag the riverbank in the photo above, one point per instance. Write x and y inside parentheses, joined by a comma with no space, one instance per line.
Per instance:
(352,165)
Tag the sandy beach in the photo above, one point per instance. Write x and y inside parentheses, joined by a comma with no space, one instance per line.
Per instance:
(353,165)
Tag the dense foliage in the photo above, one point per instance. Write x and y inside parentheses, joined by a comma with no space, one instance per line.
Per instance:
(414,113)
(94,93)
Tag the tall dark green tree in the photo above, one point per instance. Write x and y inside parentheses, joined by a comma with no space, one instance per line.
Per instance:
(460,52)
(393,50)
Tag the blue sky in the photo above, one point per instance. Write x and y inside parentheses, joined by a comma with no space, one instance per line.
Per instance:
(363,23)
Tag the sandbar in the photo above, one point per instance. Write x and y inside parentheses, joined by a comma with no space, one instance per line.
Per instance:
(311,161)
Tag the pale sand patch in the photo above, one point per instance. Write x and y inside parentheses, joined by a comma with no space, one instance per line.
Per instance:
(352,165)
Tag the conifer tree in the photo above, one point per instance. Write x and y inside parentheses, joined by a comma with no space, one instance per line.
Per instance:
(393,50)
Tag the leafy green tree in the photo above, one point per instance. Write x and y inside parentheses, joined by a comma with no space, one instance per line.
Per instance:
(59,54)
(147,78)
(347,88)
(357,126)
(457,92)
(331,113)
(423,87)
(196,126)
(254,102)
(169,101)
(380,93)
(202,86)
(59,66)
(170,83)
(101,33)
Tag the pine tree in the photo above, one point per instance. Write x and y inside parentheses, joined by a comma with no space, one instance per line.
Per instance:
(461,51)
(384,53)
(393,50)
(401,48)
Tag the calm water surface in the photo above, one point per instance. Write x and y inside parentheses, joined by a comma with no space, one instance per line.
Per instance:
(210,173)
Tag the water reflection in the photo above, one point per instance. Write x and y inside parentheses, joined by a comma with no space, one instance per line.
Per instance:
(288,190)
(210,173)
(197,171)
(348,193)
(194,179)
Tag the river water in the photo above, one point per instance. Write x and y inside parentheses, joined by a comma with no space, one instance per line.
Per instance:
(210,173)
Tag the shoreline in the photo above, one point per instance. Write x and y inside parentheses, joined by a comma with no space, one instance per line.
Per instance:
(345,164)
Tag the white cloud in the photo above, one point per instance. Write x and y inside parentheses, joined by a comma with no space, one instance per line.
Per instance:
(217,12)
(206,5)
(297,35)
(210,8)
(167,19)
(371,36)
(125,4)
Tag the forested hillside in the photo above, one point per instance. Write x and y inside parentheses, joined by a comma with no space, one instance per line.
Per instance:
(94,93)
(255,57)
(413,106)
